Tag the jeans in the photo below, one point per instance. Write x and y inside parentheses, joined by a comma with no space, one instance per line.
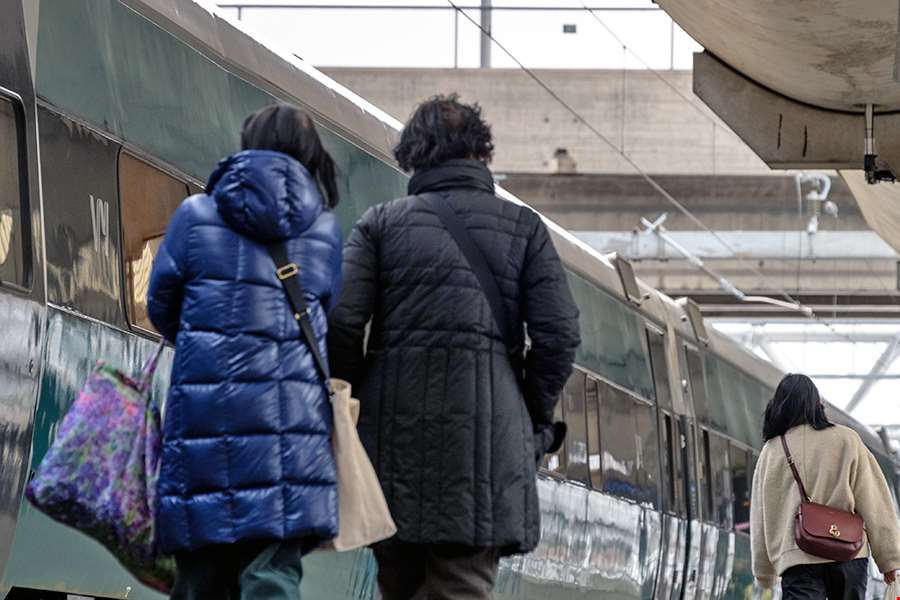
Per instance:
(257,570)
(435,571)
(834,581)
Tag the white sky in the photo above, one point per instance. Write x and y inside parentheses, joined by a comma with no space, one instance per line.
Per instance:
(362,37)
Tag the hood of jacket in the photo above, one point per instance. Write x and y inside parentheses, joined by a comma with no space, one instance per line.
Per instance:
(264,195)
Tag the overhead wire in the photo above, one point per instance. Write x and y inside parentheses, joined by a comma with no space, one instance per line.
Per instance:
(799,306)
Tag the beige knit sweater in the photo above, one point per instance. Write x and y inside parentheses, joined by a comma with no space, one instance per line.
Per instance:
(838,471)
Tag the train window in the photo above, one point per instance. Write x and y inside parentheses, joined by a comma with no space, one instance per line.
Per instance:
(611,335)
(668,463)
(630,457)
(705,477)
(592,402)
(576,419)
(556,462)
(148,197)
(14,248)
(698,384)
(657,344)
(721,481)
(735,400)
(740,485)
(648,442)
(688,438)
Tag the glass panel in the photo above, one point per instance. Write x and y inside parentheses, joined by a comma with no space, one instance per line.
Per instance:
(721,481)
(576,439)
(657,345)
(592,400)
(735,401)
(611,338)
(740,485)
(698,385)
(12,244)
(669,463)
(687,435)
(705,476)
(629,454)
(678,466)
(648,456)
(149,197)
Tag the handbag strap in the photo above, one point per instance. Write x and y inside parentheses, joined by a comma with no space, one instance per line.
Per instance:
(150,367)
(790,461)
(479,266)
(288,274)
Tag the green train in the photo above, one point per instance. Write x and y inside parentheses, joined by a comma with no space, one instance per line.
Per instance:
(112,111)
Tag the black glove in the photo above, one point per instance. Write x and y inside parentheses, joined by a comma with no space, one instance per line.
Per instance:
(548,439)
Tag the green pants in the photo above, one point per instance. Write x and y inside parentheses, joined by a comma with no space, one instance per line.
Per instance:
(242,571)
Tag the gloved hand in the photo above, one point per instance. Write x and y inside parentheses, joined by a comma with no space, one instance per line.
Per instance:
(548,439)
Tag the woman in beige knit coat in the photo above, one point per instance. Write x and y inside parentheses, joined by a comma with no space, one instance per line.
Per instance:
(838,471)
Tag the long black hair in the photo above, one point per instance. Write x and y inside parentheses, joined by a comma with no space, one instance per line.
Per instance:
(796,402)
(443,128)
(289,130)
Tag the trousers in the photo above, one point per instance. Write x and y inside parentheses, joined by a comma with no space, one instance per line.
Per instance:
(241,571)
(834,581)
(435,571)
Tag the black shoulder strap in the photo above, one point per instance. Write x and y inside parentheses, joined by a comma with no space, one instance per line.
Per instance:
(790,461)
(289,274)
(478,264)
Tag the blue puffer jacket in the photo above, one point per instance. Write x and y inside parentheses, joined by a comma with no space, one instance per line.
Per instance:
(246,440)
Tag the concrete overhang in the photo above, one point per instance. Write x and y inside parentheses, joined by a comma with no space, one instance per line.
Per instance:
(786,133)
(838,55)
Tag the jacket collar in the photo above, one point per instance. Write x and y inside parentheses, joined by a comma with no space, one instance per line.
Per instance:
(453,174)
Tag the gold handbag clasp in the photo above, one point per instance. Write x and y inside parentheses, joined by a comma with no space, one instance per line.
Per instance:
(287,271)
(834,531)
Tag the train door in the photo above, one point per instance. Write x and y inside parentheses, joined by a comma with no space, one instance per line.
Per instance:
(694,536)
(21,269)
(695,544)
(670,578)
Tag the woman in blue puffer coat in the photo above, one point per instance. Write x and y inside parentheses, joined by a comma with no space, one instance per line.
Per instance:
(247,482)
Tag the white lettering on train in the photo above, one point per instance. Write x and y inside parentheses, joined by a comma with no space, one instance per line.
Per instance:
(100,224)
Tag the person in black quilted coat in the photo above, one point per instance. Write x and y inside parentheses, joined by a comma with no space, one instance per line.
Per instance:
(454,435)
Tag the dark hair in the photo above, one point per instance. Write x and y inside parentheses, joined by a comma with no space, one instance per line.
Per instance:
(796,402)
(289,130)
(441,129)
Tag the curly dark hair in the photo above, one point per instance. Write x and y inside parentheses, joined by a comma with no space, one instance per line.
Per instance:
(443,128)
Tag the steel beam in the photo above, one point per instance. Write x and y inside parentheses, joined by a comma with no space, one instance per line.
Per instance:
(486,34)
(773,356)
(880,367)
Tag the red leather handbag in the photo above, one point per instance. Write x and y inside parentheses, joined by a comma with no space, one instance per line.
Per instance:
(823,531)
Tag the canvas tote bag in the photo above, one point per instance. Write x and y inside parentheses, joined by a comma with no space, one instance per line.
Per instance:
(363,514)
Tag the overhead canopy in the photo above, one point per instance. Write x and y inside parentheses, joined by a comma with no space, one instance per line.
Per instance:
(838,55)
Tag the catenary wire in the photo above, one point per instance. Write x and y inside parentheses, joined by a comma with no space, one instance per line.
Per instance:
(649,179)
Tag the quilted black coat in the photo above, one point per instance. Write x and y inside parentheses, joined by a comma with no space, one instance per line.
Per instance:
(447,425)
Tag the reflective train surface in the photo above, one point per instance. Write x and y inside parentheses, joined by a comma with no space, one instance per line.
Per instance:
(112,111)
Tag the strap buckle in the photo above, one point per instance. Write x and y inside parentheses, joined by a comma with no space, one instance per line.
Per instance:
(287,271)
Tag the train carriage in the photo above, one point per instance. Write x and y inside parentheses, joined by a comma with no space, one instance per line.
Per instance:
(112,111)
